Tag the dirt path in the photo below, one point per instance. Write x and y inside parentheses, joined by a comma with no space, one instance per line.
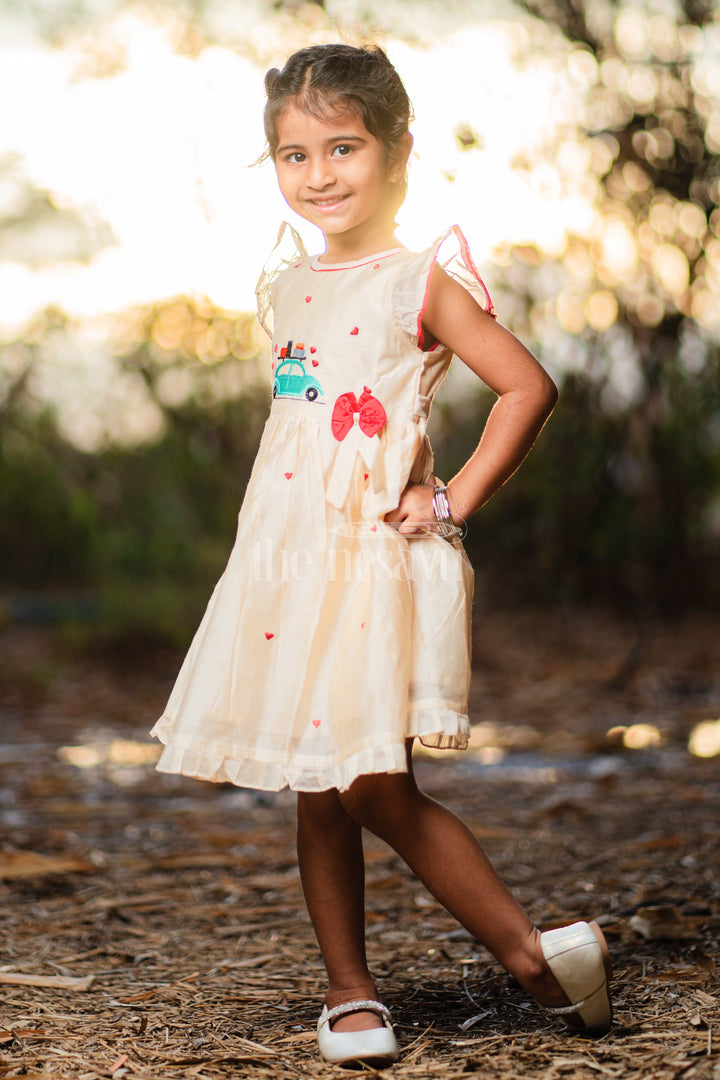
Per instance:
(174,906)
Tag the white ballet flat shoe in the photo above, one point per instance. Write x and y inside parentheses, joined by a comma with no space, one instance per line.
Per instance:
(376,1046)
(578,957)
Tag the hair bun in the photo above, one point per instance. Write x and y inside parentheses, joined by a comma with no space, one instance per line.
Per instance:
(272,78)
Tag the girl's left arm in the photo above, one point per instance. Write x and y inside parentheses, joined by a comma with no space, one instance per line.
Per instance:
(526,396)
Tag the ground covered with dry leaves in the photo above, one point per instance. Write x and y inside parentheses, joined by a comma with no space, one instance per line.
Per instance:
(152,927)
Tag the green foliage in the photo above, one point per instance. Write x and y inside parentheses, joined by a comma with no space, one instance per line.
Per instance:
(169,509)
(48,518)
(608,508)
(617,503)
(147,530)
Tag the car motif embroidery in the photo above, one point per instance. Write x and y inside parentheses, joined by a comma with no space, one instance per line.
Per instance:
(291,379)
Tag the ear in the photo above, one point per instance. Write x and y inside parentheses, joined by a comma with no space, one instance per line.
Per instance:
(400,159)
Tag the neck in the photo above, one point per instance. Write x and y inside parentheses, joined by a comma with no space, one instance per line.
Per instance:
(348,247)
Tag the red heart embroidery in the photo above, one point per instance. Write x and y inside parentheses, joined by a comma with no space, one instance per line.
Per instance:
(365,476)
(268,635)
(313,349)
(308,299)
(316,723)
(354,330)
(288,475)
(376,266)
(314,363)
(373,528)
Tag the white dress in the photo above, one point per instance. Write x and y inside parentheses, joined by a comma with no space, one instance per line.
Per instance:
(330,639)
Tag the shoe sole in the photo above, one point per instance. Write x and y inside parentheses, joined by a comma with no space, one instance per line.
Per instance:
(607,964)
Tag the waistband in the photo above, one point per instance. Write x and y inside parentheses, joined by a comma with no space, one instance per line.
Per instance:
(322,410)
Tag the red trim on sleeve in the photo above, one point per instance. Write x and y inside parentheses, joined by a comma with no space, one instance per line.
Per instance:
(468,260)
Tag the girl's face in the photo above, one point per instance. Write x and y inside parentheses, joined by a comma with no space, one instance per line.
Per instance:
(332,172)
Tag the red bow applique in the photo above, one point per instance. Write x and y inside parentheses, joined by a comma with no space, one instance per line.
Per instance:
(356,439)
(371,418)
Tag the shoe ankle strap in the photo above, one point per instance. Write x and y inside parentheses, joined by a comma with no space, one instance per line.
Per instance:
(355,1006)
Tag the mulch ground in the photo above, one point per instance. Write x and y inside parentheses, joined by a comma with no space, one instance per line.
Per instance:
(152,927)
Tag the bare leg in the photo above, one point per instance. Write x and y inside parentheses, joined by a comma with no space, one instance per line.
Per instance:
(447,858)
(332,871)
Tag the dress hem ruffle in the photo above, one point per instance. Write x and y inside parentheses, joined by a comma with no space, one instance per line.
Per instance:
(447,730)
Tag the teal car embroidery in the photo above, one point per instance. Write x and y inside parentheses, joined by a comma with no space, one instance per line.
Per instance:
(291,379)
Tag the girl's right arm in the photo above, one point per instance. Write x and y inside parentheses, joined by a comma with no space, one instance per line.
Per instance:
(526,397)
(526,393)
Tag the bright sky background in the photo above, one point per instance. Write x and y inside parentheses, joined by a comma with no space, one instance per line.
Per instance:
(162,149)
(146,135)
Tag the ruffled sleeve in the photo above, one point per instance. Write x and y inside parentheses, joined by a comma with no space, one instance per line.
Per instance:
(412,284)
(288,249)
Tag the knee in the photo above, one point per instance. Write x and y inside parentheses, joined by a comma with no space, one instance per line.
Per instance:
(317,809)
(376,801)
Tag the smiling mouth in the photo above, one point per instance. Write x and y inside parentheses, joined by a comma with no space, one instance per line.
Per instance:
(329,203)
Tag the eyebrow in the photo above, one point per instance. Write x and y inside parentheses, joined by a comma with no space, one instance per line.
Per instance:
(334,139)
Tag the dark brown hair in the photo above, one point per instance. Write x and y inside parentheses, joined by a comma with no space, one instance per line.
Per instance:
(327,78)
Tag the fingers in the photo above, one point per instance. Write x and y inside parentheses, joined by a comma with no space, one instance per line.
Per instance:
(414,513)
(413,528)
(405,523)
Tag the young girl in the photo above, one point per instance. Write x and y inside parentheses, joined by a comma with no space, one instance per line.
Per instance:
(339,631)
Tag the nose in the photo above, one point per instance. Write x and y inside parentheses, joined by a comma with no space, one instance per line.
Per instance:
(320,173)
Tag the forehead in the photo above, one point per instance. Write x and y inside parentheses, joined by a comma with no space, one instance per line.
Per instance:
(327,121)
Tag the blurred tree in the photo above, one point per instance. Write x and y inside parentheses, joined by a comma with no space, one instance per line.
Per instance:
(641,296)
(130,483)
(147,525)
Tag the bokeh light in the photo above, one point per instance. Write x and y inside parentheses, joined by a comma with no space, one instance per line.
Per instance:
(636,736)
(704,739)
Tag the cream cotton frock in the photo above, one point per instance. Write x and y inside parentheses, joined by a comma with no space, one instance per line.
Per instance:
(330,638)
